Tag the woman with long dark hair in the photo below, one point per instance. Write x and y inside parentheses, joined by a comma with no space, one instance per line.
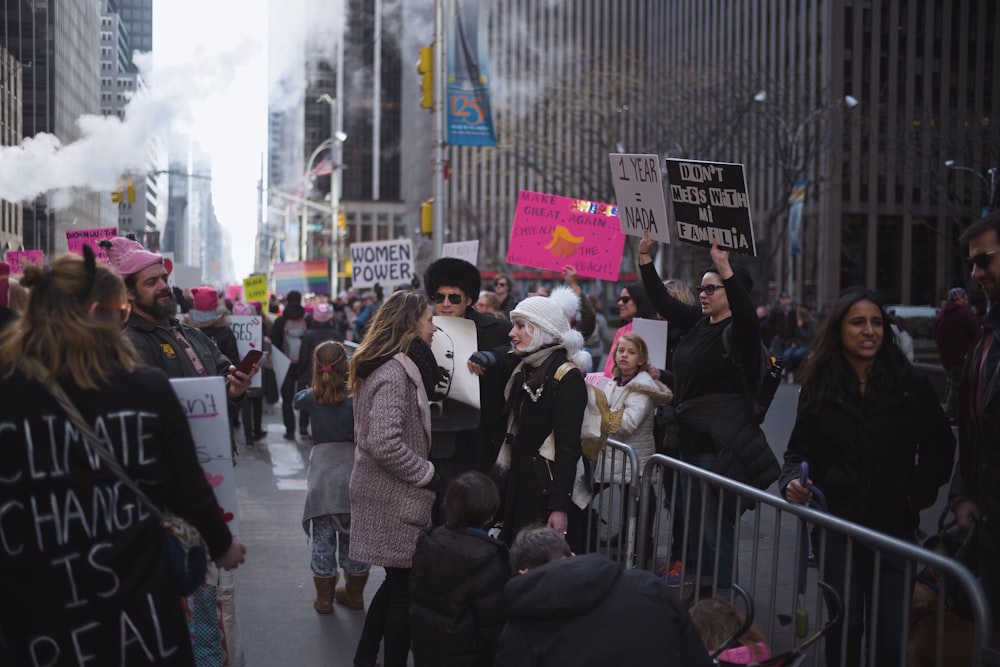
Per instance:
(392,376)
(632,303)
(879,446)
(84,565)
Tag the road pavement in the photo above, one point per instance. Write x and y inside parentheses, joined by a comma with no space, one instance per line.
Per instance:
(274,589)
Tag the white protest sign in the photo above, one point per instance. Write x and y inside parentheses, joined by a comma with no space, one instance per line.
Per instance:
(467,250)
(710,203)
(388,263)
(454,342)
(280,363)
(639,190)
(654,333)
(204,403)
(249,333)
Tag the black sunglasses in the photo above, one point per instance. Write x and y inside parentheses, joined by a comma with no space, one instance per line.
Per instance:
(452,298)
(624,299)
(499,283)
(982,260)
(710,289)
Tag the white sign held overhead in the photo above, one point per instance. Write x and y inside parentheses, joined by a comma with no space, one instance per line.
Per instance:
(467,250)
(387,263)
(639,190)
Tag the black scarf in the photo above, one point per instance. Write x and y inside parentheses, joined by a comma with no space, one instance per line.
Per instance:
(420,354)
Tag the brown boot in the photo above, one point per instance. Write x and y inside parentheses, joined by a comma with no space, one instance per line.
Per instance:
(325,586)
(351,595)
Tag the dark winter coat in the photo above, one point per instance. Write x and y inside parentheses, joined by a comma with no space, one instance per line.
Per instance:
(977,475)
(533,487)
(219,331)
(879,462)
(956,328)
(158,347)
(91,576)
(456,607)
(586,611)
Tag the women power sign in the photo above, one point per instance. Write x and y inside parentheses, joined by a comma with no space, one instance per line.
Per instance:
(551,231)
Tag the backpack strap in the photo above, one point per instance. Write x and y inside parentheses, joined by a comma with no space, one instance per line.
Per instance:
(564,368)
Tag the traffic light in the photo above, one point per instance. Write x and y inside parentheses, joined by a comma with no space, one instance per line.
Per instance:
(427,217)
(130,190)
(125,192)
(116,196)
(425,68)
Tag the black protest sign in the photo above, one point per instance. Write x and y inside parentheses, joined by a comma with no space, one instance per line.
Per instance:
(710,203)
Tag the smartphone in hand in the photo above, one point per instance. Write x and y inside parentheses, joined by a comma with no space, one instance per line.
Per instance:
(251,358)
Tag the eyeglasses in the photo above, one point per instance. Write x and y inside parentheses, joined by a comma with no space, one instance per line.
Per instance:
(624,299)
(710,289)
(499,284)
(982,260)
(452,298)
(124,309)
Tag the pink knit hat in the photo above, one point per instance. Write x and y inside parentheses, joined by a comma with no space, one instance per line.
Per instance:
(128,257)
(243,308)
(206,304)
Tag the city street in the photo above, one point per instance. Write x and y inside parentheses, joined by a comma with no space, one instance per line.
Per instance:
(274,589)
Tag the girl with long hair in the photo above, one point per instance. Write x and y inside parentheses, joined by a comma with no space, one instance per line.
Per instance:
(96,581)
(331,460)
(393,376)
(879,446)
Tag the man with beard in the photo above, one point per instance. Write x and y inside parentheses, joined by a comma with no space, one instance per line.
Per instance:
(181,351)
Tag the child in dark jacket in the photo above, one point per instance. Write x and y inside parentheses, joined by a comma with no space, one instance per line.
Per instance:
(459,572)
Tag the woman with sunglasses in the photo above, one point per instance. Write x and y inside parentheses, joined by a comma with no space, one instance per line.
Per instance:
(84,567)
(879,446)
(713,413)
(632,303)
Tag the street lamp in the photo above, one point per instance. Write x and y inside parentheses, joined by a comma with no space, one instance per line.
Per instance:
(990,185)
(794,168)
(336,141)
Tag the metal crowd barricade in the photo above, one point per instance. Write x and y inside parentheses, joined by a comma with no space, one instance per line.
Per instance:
(614,509)
(767,561)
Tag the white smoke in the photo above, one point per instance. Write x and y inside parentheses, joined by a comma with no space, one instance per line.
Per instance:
(109,147)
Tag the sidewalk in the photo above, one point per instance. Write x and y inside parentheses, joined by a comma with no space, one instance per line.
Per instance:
(274,589)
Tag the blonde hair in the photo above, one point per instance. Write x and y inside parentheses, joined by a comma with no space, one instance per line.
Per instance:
(640,345)
(329,382)
(57,328)
(679,289)
(717,620)
(394,329)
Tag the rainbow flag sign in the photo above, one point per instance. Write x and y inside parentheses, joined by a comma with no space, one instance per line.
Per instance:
(312,275)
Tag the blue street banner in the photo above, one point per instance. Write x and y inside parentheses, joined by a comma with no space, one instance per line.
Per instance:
(469,119)
(795,201)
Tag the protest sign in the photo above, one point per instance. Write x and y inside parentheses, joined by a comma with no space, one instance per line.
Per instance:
(467,250)
(312,275)
(654,333)
(255,288)
(710,202)
(550,232)
(18,258)
(639,190)
(204,403)
(249,333)
(454,342)
(77,238)
(388,263)
(281,364)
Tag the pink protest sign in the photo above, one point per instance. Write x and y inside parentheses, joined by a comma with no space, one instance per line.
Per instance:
(552,231)
(234,292)
(77,238)
(18,258)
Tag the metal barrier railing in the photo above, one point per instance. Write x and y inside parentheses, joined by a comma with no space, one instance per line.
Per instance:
(768,561)
(611,525)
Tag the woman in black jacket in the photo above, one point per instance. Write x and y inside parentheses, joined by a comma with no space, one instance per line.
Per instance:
(878,445)
(716,429)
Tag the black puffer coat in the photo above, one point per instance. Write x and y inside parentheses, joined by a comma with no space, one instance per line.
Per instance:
(456,607)
(878,462)
(586,611)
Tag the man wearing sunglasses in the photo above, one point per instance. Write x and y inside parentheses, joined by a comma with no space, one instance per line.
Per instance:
(975,487)
(460,441)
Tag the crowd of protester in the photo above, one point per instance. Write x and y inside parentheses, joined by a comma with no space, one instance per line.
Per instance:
(476,515)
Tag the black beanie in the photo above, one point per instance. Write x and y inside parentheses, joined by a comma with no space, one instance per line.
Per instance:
(455,273)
